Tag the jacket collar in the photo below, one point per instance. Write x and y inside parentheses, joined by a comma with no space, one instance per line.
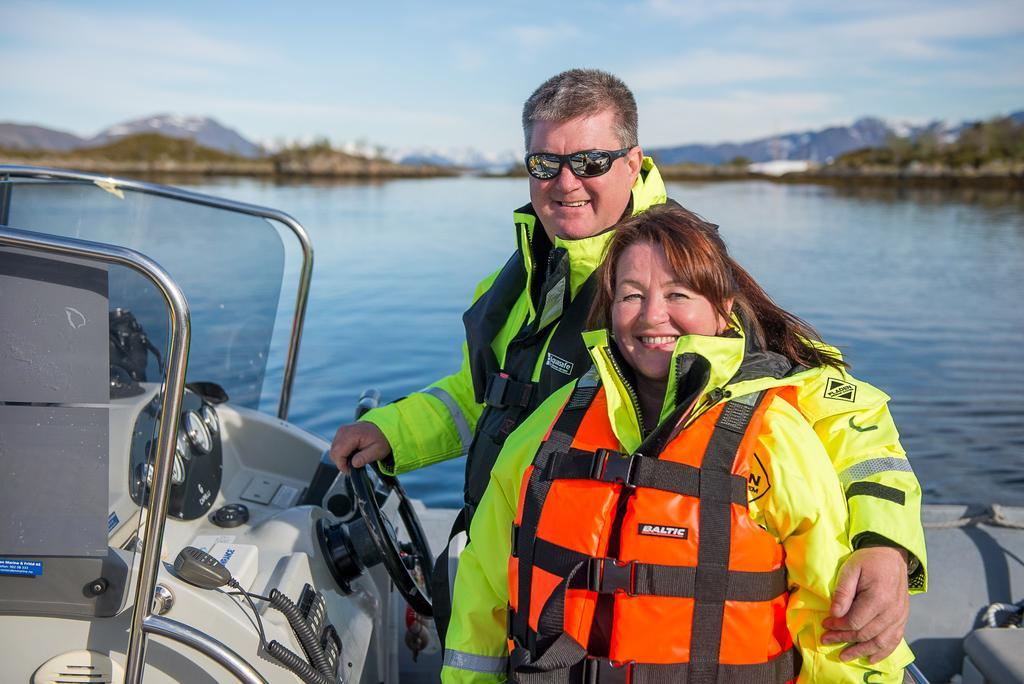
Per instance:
(711,369)
(701,366)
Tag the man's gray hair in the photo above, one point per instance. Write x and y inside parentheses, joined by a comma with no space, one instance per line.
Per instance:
(582,92)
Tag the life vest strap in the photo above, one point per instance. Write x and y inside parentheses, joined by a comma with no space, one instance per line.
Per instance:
(633,471)
(715,524)
(502,391)
(608,575)
(559,440)
(565,668)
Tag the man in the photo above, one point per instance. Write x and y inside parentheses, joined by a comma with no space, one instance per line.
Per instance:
(523,342)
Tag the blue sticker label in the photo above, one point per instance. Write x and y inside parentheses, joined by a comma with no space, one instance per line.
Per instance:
(112,521)
(24,568)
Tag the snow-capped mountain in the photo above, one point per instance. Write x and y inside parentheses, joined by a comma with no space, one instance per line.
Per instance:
(820,145)
(462,157)
(204,130)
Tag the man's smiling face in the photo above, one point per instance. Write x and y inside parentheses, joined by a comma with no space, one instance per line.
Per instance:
(572,207)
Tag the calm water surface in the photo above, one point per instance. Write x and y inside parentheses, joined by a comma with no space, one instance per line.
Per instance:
(920,289)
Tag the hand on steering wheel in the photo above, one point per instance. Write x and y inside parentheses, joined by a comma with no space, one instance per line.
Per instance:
(409,564)
(372,539)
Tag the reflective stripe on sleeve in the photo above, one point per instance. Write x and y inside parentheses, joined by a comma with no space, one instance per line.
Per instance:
(879,491)
(475,663)
(455,411)
(873,466)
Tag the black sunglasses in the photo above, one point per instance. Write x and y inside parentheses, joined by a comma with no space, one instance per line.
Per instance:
(585,164)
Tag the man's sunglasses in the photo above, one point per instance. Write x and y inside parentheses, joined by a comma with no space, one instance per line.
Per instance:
(585,164)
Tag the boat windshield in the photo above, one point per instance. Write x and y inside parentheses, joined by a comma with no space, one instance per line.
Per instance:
(229,264)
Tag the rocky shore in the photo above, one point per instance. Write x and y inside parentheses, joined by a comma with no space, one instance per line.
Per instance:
(999,175)
(341,166)
(153,155)
(313,168)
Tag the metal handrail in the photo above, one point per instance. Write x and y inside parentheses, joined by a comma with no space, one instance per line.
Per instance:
(204,643)
(177,358)
(305,274)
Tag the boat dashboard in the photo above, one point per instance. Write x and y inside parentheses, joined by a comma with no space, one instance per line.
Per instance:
(237,491)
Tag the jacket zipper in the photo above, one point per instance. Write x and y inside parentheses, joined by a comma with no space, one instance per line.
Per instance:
(713,397)
(633,397)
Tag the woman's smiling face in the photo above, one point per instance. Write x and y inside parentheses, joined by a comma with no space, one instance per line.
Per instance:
(652,309)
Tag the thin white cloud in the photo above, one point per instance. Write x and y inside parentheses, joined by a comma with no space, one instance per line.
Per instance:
(981,20)
(932,32)
(707,67)
(872,29)
(101,31)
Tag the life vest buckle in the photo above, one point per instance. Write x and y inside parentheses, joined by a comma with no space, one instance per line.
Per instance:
(604,671)
(502,391)
(608,576)
(613,466)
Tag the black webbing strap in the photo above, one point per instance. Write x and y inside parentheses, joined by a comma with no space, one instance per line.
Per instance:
(502,391)
(712,579)
(536,493)
(633,470)
(559,440)
(562,662)
(588,670)
(607,575)
(664,580)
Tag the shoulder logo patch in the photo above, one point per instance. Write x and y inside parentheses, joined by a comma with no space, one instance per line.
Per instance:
(758,483)
(652,530)
(838,389)
(559,364)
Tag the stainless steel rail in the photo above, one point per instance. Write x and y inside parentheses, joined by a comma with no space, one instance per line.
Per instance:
(305,274)
(177,358)
(183,634)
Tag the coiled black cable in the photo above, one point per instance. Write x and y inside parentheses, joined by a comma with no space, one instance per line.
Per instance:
(332,647)
(297,664)
(283,655)
(310,643)
(316,613)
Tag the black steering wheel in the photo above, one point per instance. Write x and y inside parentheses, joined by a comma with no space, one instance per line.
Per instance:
(352,547)
(409,565)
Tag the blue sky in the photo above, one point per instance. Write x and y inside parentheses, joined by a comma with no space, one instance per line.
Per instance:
(456,73)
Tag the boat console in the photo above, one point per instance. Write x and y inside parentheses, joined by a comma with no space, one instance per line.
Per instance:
(158,520)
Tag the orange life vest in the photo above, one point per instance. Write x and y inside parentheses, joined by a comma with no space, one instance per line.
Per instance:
(647,567)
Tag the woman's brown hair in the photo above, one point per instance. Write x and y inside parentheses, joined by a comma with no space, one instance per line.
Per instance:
(699,258)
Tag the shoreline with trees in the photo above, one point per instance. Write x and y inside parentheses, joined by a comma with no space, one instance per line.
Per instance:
(986,155)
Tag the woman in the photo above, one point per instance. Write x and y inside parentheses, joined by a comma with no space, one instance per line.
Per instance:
(673,517)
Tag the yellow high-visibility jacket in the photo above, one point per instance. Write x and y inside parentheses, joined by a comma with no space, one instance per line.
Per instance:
(850,417)
(804,508)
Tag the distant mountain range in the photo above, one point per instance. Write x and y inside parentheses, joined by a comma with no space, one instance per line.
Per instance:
(462,157)
(204,130)
(820,145)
